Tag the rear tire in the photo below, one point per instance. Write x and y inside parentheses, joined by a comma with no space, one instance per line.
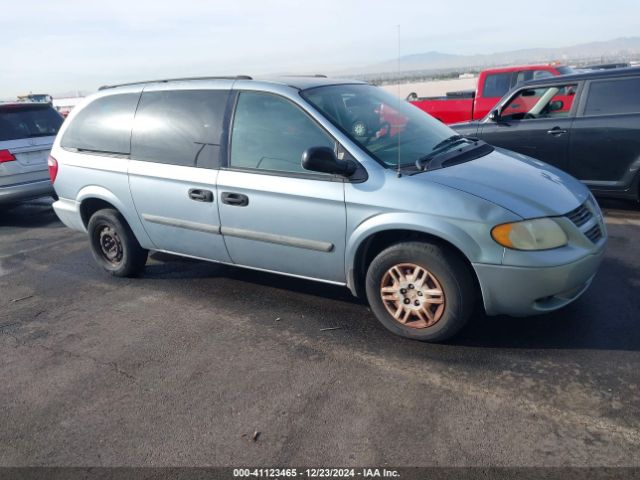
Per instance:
(421,291)
(113,244)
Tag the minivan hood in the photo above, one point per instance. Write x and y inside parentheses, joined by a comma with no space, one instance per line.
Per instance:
(528,187)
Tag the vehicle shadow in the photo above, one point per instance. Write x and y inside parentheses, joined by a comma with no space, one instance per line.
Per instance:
(173,266)
(604,318)
(31,214)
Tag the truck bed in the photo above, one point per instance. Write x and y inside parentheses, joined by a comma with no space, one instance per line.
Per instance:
(449,109)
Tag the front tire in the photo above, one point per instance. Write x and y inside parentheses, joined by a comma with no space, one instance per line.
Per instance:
(421,291)
(113,244)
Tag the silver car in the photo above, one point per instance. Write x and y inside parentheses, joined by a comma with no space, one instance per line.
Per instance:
(27,131)
(334,181)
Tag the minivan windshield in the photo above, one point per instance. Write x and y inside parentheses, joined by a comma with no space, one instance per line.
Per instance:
(390,129)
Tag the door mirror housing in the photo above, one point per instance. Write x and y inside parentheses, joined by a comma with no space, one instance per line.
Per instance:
(494,115)
(324,160)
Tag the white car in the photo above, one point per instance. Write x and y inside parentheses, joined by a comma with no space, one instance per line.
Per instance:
(27,132)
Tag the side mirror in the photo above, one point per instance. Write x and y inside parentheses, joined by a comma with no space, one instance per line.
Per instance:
(494,115)
(324,160)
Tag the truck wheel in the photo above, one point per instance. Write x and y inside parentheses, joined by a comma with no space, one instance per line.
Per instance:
(113,244)
(420,290)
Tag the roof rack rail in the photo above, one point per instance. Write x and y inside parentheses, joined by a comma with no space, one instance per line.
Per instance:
(165,80)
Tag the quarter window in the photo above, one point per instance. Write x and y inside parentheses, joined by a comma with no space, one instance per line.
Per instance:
(614,97)
(104,125)
(271,133)
(179,127)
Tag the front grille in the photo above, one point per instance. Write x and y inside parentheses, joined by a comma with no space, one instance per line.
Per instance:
(580,215)
(594,233)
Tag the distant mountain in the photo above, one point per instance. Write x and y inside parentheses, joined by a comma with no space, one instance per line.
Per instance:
(596,51)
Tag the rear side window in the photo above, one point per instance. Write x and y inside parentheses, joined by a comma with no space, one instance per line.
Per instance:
(614,96)
(180,127)
(28,121)
(496,85)
(104,125)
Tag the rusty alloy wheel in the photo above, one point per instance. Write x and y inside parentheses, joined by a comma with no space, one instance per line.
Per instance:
(110,245)
(412,295)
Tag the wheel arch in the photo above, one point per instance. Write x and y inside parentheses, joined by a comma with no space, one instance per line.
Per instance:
(93,198)
(368,241)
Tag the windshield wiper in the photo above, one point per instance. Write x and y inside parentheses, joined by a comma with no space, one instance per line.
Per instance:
(474,148)
(447,141)
(446,144)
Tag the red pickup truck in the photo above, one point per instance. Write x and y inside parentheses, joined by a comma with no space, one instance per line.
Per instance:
(492,85)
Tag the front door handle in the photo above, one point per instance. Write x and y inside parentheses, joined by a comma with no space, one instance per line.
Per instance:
(557,131)
(200,195)
(235,199)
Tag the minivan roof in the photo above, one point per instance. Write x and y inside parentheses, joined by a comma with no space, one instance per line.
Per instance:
(300,82)
(597,74)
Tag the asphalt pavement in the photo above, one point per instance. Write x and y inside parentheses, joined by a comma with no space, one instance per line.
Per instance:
(199,364)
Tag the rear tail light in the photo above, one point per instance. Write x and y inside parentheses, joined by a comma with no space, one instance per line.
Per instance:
(53,168)
(6,156)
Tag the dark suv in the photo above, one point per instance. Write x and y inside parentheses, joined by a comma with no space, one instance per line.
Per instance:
(587,124)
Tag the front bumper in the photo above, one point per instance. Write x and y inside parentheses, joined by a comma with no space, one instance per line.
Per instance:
(25,191)
(521,291)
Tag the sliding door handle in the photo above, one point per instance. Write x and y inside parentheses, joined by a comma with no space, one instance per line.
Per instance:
(201,195)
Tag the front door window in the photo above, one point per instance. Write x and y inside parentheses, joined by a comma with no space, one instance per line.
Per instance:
(544,102)
(271,133)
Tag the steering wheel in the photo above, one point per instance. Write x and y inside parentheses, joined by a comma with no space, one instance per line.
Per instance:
(360,130)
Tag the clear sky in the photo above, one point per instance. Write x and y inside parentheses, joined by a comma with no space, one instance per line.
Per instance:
(55,46)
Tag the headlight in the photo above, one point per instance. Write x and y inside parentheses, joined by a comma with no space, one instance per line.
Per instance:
(537,234)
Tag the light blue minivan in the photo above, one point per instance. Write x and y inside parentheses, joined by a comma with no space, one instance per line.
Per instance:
(329,180)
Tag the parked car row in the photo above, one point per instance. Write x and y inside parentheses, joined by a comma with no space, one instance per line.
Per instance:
(587,124)
(493,83)
(370,193)
(329,180)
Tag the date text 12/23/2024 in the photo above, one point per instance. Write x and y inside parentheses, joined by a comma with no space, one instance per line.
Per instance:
(314,473)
